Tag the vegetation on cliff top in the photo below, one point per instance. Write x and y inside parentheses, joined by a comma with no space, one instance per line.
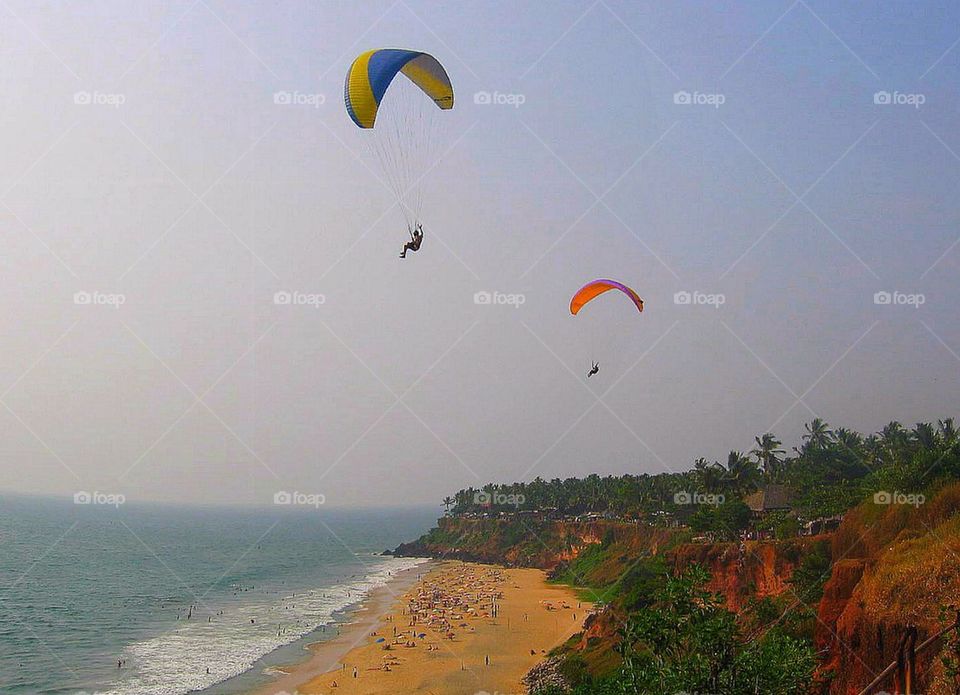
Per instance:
(827,474)
(661,630)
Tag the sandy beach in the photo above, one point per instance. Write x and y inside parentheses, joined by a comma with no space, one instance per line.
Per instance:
(326,656)
(463,628)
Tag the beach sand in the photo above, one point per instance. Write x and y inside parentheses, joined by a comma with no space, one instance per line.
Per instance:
(465,649)
(326,656)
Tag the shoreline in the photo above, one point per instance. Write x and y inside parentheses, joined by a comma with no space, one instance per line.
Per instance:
(458,628)
(325,655)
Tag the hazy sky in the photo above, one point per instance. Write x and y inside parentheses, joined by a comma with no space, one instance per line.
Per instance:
(145,157)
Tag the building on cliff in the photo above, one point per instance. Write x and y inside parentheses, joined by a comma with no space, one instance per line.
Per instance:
(769,498)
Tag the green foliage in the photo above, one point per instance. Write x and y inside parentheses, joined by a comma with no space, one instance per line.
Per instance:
(642,581)
(724,521)
(776,663)
(814,570)
(831,471)
(950,653)
(574,670)
(686,641)
(783,525)
(679,637)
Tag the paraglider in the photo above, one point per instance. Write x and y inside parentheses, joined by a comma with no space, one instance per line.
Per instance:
(401,124)
(591,291)
(416,238)
(594,289)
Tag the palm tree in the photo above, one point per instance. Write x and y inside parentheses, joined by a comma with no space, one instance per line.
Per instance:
(848,439)
(873,450)
(893,434)
(767,454)
(447,503)
(925,436)
(948,431)
(818,434)
(708,476)
(742,474)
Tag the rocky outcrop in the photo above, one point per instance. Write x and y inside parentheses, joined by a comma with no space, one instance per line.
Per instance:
(526,542)
(545,675)
(760,569)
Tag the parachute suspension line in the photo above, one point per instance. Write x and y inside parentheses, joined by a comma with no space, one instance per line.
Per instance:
(408,89)
(407,134)
(593,340)
(591,291)
(385,141)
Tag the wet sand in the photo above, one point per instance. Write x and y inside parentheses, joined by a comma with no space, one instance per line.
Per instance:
(325,656)
(464,628)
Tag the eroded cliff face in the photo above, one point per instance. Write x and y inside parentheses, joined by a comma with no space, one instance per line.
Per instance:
(525,542)
(894,567)
(759,570)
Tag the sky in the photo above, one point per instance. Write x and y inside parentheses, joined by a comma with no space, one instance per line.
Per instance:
(757,171)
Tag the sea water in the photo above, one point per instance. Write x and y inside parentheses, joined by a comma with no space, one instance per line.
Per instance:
(171,592)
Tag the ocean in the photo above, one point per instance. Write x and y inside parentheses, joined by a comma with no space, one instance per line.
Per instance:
(172,591)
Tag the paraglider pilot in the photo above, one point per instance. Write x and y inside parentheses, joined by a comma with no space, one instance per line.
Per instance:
(594,369)
(416,238)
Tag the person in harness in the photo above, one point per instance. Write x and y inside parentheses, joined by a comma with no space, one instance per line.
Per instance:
(594,369)
(416,238)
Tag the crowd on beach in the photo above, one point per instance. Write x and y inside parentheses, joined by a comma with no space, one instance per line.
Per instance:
(444,605)
(443,616)
(447,602)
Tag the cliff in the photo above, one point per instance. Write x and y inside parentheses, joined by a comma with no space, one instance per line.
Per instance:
(887,567)
(616,563)
(764,568)
(527,542)
(894,566)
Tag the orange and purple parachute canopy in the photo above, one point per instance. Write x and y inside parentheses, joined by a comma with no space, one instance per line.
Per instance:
(594,289)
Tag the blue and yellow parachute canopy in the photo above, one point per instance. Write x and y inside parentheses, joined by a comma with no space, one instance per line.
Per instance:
(373,71)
